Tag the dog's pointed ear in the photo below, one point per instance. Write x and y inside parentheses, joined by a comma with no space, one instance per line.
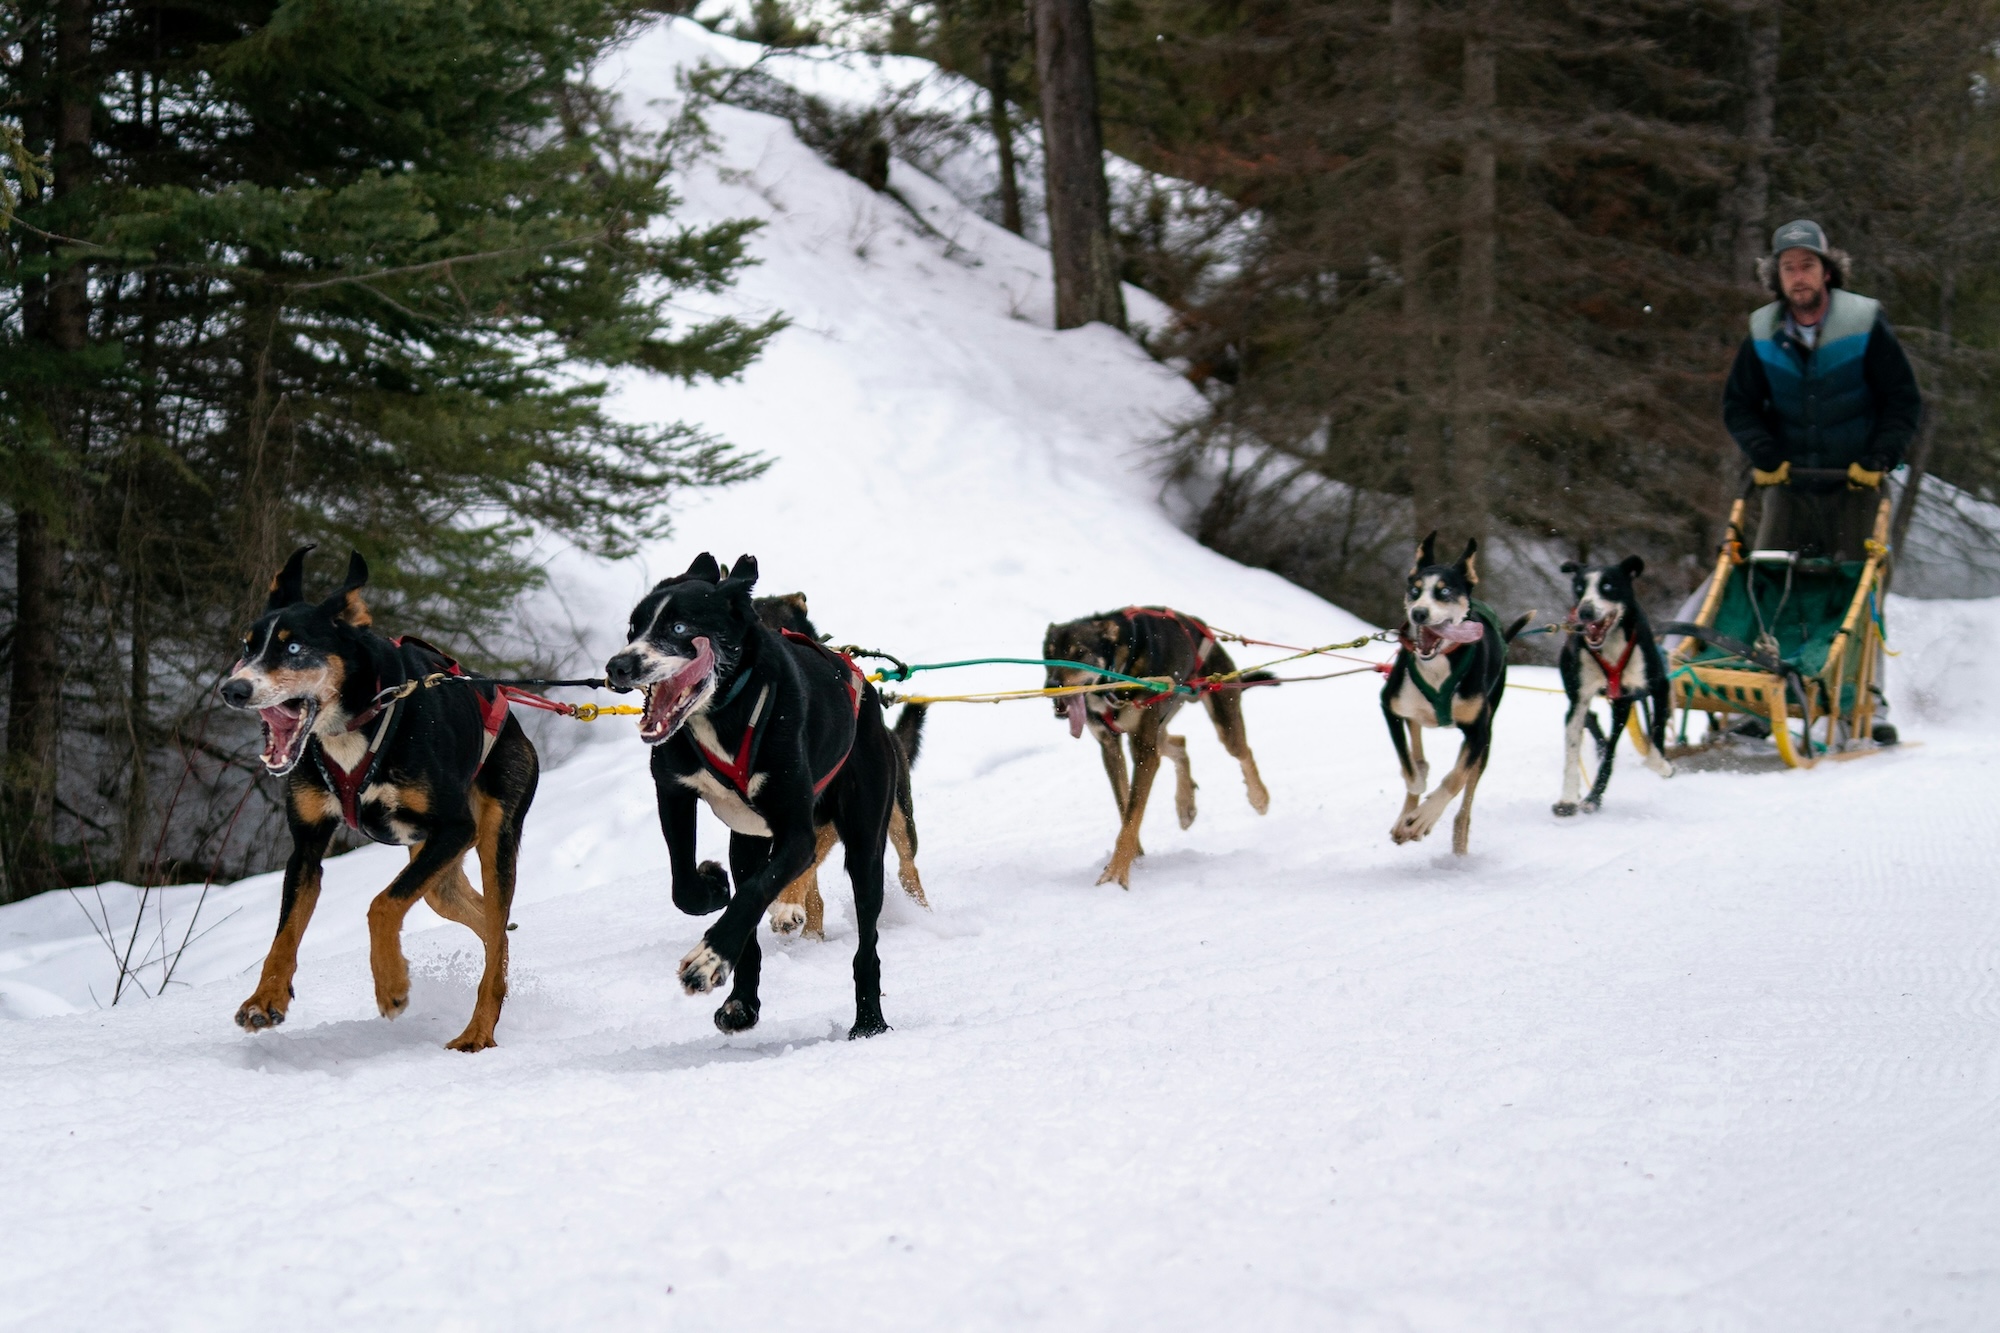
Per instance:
(347,606)
(1466,562)
(704,568)
(1570,567)
(288,585)
(1633,566)
(742,578)
(1426,552)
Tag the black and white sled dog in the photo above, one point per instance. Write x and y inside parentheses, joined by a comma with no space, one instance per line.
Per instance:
(779,735)
(1450,671)
(1610,652)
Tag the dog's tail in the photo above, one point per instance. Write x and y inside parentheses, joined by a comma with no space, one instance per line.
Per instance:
(910,730)
(1259,678)
(1512,631)
(909,738)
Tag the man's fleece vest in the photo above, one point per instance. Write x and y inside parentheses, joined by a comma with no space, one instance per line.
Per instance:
(1824,409)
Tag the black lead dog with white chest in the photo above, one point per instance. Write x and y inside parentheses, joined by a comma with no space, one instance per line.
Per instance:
(1611,652)
(779,735)
(437,770)
(1451,672)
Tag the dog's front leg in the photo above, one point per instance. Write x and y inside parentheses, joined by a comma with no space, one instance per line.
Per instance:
(438,857)
(1112,747)
(1621,709)
(1408,738)
(268,1004)
(708,964)
(1417,825)
(698,889)
(1145,766)
(1579,713)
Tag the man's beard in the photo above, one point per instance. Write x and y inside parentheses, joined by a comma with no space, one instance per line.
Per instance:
(1811,304)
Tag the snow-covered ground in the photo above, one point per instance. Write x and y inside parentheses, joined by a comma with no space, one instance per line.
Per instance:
(1726,1056)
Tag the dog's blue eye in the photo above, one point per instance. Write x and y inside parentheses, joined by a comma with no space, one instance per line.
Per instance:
(292,648)
(680,629)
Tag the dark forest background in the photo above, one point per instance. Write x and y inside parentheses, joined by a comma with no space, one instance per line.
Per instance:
(1482,266)
(307,270)
(316,270)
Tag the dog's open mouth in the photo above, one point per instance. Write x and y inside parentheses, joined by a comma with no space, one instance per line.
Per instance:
(287,728)
(1432,639)
(1596,631)
(670,702)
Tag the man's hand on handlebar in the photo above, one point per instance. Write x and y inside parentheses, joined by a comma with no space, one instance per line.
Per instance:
(1778,476)
(1860,478)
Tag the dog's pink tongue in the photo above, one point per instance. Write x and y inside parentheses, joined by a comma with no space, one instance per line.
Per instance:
(1464,631)
(281,726)
(1076,716)
(693,672)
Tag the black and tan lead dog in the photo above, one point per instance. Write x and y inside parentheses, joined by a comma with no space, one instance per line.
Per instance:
(1451,671)
(441,771)
(779,735)
(1149,642)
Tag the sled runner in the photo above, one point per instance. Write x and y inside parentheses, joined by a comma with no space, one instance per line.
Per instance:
(1783,638)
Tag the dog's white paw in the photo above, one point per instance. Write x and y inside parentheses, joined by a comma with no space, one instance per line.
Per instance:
(703,970)
(1659,763)
(1417,824)
(1565,808)
(787,918)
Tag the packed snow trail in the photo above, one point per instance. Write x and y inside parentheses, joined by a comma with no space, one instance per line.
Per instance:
(1721,1057)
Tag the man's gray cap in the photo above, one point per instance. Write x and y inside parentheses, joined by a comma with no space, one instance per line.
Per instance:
(1804,234)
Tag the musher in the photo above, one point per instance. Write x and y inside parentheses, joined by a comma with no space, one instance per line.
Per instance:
(1820,384)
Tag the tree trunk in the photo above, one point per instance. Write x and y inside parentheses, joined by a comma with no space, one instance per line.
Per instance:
(1753,193)
(1920,449)
(35,686)
(1472,425)
(1419,368)
(1003,139)
(1080,249)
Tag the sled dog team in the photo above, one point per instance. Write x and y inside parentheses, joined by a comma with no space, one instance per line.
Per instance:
(786,742)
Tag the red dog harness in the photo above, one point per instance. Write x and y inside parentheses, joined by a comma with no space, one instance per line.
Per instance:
(1614,676)
(737,770)
(348,783)
(1198,644)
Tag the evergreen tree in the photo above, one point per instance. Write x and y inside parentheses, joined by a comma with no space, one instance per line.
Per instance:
(337,263)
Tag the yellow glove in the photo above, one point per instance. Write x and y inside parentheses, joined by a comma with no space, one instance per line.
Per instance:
(1778,477)
(1860,478)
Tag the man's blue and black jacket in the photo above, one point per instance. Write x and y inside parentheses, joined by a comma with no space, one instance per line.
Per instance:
(1851,399)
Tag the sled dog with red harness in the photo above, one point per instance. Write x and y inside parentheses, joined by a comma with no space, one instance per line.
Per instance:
(439,771)
(1610,652)
(779,735)
(1150,642)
